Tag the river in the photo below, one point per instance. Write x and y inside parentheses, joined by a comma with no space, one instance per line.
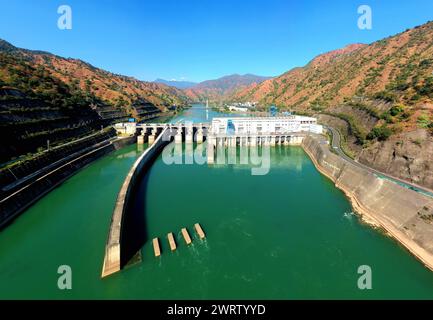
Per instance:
(289,234)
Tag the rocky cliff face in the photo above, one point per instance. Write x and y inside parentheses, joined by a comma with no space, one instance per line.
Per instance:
(406,155)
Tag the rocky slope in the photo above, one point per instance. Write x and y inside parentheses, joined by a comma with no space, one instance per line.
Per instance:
(380,95)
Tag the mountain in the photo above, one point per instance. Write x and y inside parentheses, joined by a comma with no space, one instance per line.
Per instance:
(219,89)
(44,97)
(113,89)
(379,95)
(176,83)
(396,69)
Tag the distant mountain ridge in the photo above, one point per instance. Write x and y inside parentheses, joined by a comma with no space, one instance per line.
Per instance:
(219,89)
(176,83)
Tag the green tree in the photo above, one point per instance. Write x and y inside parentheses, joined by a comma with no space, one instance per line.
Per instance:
(381,133)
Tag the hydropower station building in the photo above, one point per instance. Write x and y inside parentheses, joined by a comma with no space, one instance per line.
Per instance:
(265,125)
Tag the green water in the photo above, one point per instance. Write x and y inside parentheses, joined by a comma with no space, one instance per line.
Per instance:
(289,234)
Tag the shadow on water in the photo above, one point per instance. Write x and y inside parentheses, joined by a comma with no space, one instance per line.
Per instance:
(134,229)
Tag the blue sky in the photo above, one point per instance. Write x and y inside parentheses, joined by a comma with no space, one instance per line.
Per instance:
(198,40)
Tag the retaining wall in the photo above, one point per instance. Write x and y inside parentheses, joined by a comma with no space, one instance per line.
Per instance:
(405,214)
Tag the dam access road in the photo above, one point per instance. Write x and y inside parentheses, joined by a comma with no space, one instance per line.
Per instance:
(336,146)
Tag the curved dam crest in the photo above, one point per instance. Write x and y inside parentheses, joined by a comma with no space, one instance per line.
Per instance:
(115,258)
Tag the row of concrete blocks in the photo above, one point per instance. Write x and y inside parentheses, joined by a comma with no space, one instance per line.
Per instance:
(172,242)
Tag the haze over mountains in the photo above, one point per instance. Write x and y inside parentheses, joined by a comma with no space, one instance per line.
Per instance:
(176,83)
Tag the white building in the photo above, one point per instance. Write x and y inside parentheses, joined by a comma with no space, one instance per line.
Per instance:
(126,128)
(238,108)
(265,125)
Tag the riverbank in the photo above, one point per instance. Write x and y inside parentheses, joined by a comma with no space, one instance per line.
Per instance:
(404,214)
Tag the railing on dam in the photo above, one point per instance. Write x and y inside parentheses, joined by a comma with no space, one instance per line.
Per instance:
(113,248)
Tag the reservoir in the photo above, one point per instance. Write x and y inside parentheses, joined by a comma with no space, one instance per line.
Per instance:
(290,234)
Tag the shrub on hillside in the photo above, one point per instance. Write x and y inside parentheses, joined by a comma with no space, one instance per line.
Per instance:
(386,96)
(396,110)
(381,133)
(430,127)
(423,121)
(426,89)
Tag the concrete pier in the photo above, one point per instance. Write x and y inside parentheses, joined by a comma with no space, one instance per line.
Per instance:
(156,248)
(273,141)
(199,136)
(186,236)
(199,231)
(171,241)
(189,133)
(211,141)
(178,138)
(140,139)
(151,139)
(153,135)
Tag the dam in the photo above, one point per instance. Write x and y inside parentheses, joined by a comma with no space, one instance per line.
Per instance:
(289,130)
(289,234)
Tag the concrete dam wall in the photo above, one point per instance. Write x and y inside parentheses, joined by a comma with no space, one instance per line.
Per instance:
(404,213)
(119,250)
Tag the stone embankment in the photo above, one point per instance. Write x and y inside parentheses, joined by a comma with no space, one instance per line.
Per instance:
(406,215)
